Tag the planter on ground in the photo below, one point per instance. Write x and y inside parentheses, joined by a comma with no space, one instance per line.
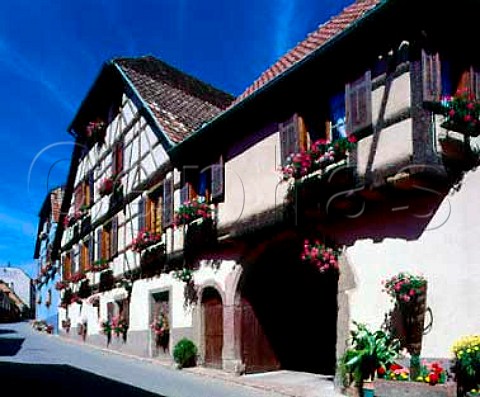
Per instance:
(391,388)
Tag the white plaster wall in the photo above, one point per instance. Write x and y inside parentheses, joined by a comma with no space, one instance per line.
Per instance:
(208,273)
(394,147)
(252,181)
(398,98)
(140,302)
(446,254)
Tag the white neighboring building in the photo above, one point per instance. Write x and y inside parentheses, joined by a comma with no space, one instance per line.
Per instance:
(21,284)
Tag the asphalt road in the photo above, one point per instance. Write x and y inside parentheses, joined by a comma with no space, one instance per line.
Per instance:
(32,362)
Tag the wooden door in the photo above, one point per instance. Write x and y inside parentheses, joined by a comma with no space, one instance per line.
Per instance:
(257,352)
(213,317)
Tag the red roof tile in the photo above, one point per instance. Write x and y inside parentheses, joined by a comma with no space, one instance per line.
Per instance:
(179,102)
(315,40)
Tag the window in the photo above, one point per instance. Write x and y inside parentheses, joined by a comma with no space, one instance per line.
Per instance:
(117,158)
(104,242)
(85,256)
(336,128)
(67,266)
(293,136)
(458,76)
(83,195)
(168,202)
(107,241)
(431,76)
(358,101)
(150,213)
(190,181)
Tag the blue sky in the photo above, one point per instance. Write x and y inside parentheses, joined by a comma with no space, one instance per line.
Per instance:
(51,52)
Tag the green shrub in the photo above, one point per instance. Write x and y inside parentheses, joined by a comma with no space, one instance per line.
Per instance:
(185,353)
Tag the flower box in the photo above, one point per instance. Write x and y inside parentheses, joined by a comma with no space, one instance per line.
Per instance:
(320,155)
(107,186)
(462,113)
(191,210)
(145,239)
(392,388)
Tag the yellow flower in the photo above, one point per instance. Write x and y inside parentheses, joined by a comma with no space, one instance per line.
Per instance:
(404,375)
(473,391)
(427,379)
(419,378)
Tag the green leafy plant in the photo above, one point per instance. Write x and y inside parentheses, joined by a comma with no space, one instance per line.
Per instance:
(368,352)
(185,353)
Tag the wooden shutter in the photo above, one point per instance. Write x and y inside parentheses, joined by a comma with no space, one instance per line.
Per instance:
(218,182)
(67,266)
(117,158)
(475,81)
(82,258)
(168,202)
(289,137)
(432,77)
(141,214)
(78,197)
(100,254)
(149,215)
(358,103)
(159,215)
(185,193)
(74,260)
(114,245)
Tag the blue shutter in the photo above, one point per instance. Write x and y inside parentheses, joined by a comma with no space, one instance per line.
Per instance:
(114,241)
(91,250)
(167,202)
(91,187)
(141,214)
(218,181)
(99,244)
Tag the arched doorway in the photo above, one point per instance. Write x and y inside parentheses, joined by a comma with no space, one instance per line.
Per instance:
(213,327)
(293,308)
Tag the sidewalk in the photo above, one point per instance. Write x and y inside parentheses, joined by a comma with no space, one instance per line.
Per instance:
(287,383)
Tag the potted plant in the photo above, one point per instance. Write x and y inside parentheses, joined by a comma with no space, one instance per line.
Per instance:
(95,130)
(462,113)
(106,186)
(408,292)
(467,363)
(120,327)
(145,239)
(196,208)
(368,352)
(106,326)
(161,329)
(321,154)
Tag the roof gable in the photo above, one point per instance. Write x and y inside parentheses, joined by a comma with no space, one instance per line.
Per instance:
(179,102)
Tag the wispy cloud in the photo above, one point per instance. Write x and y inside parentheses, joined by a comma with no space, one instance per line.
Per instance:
(284,19)
(18,64)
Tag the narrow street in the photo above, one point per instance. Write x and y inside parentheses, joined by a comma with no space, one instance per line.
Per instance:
(32,362)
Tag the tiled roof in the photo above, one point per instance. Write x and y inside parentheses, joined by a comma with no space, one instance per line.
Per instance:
(180,103)
(314,41)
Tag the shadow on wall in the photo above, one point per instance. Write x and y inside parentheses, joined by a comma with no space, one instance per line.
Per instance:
(62,380)
(402,216)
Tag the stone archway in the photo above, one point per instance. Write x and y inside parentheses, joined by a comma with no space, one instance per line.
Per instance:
(288,311)
(212,310)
